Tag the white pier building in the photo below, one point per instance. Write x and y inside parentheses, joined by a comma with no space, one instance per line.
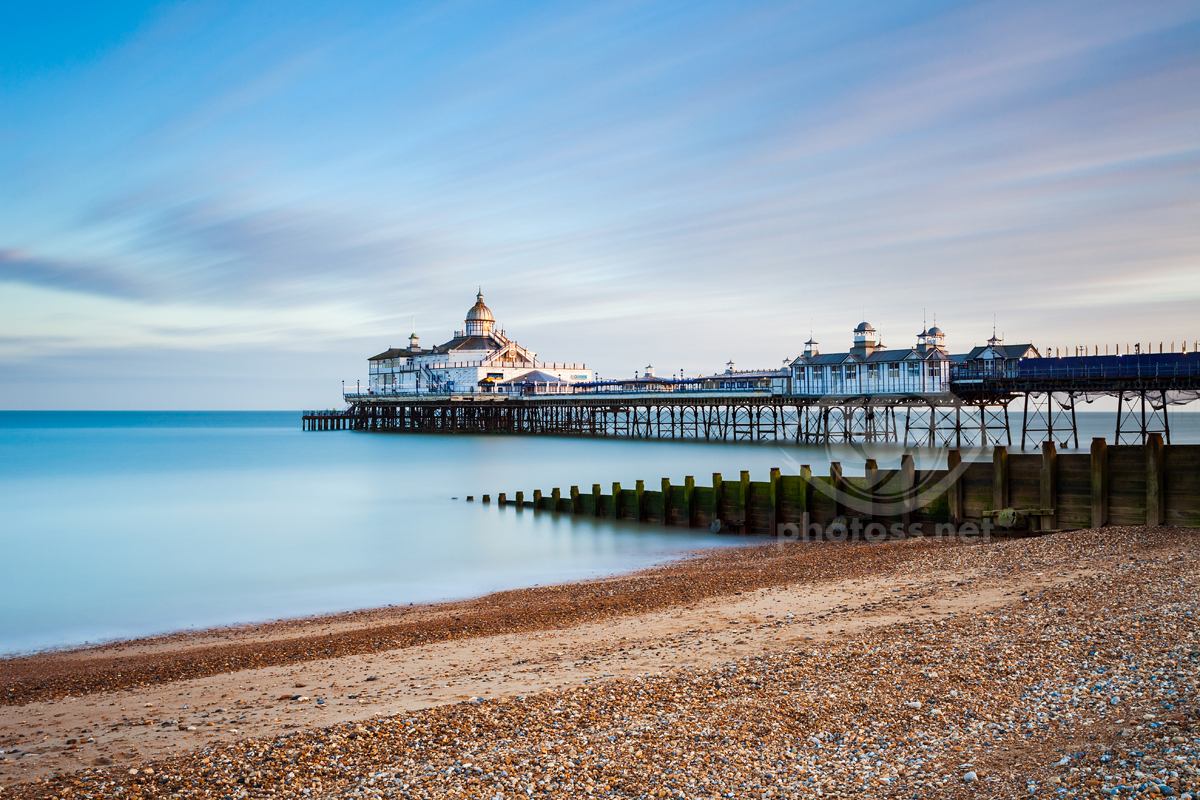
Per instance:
(869,368)
(479,359)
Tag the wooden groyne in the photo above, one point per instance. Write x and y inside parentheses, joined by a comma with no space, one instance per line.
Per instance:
(1151,484)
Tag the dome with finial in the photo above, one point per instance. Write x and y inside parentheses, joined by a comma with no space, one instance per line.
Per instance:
(479,321)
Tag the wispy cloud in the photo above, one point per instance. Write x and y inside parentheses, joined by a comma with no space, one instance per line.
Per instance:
(19,267)
(697,180)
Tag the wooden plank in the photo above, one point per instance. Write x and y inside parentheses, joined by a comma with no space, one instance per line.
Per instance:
(704,506)
(762,506)
(890,491)
(792,500)
(978,489)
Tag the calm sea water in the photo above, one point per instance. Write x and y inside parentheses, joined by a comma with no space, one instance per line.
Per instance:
(120,524)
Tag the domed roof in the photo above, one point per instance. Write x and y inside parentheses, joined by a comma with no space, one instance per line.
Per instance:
(479,312)
(863,326)
(935,331)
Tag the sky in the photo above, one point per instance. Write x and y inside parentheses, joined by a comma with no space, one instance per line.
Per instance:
(233,205)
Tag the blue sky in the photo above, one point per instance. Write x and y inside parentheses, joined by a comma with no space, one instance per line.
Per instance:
(231,205)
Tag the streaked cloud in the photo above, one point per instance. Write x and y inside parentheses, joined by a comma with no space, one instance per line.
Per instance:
(678,182)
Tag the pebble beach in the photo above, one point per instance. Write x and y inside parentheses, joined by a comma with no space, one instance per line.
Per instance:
(1060,666)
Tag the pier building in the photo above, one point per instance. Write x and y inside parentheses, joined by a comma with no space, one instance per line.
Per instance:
(480,358)
(870,369)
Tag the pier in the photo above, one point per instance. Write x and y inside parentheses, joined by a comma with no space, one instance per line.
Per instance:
(975,409)
(481,381)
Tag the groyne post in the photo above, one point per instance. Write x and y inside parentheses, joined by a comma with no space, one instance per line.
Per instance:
(689,499)
(1049,484)
(614,512)
(1155,507)
(576,506)
(954,492)
(537,499)
(1099,470)
(502,499)
(718,495)
(805,498)
(744,500)
(520,500)
(872,479)
(835,483)
(596,500)
(776,496)
(555,497)
(666,501)
(639,499)
(908,490)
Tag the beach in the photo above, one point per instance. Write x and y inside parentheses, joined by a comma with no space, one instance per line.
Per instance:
(770,670)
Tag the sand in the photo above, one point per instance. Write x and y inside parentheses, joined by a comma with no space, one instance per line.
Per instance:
(713,609)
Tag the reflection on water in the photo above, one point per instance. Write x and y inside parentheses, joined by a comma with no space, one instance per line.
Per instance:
(119,524)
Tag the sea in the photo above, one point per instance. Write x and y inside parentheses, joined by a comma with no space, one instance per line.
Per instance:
(117,525)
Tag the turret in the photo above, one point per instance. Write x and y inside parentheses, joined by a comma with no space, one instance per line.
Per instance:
(865,340)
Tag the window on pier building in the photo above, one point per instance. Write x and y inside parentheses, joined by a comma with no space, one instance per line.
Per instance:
(893,370)
(934,370)
(914,369)
(851,372)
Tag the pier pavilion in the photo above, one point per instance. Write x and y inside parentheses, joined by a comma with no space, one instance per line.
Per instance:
(480,358)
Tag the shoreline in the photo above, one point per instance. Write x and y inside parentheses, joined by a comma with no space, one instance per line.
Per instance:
(528,609)
(823,614)
(275,626)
